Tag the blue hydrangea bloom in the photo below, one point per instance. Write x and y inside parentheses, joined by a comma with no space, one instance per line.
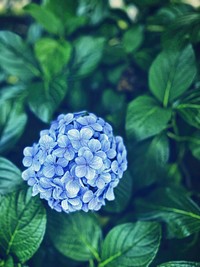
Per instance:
(76,164)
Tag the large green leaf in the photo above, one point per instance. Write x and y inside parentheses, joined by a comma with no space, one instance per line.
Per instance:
(22,225)
(44,98)
(88,53)
(145,118)
(46,18)
(12,123)
(172,73)
(15,57)
(180,264)
(10,176)
(174,207)
(122,194)
(53,55)
(131,244)
(77,236)
(149,161)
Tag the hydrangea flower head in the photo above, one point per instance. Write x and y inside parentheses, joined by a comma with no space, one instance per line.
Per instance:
(76,164)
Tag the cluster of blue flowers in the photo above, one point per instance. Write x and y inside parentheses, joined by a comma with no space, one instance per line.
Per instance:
(76,164)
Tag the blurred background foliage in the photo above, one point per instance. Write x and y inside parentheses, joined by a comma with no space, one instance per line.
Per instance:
(135,63)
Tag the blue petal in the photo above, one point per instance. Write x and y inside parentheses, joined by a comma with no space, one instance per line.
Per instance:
(48,171)
(114,166)
(69,154)
(90,173)
(63,141)
(92,204)
(62,162)
(86,133)
(97,127)
(73,135)
(64,204)
(28,151)
(80,161)
(80,171)
(111,153)
(88,155)
(100,183)
(59,152)
(72,188)
(110,194)
(94,145)
(96,163)
(27,161)
(59,170)
(88,195)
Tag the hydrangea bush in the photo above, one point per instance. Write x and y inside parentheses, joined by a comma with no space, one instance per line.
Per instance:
(76,164)
(67,195)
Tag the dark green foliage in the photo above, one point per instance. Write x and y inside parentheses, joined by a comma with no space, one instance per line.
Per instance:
(142,74)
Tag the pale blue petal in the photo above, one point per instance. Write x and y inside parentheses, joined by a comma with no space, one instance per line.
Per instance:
(62,162)
(90,173)
(80,171)
(36,165)
(114,166)
(88,195)
(111,153)
(74,135)
(88,156)
(96,163)
(28,151)
(64,204)
(48,171)
(72,188)
(110,194)
(94,145)
(86,133)
(59,152)
(80,161)
(27,161)
(69,154)
(92,204)
(63,141)
(59,170)
(100,183)
(97,127)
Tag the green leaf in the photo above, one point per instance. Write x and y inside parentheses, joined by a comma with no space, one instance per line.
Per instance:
(149,161)
(122,194)
(131,244)
(88,53)
(133,38)
(145,118)
(180,264)
(190,113)
(10,176)
(46,18)
(7,263)
(172,73)
(76,236)
(174,207)
(53,55)
(189,108)
(15,57)
(12,123)
(44,99)
(194,144)
(22,225)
